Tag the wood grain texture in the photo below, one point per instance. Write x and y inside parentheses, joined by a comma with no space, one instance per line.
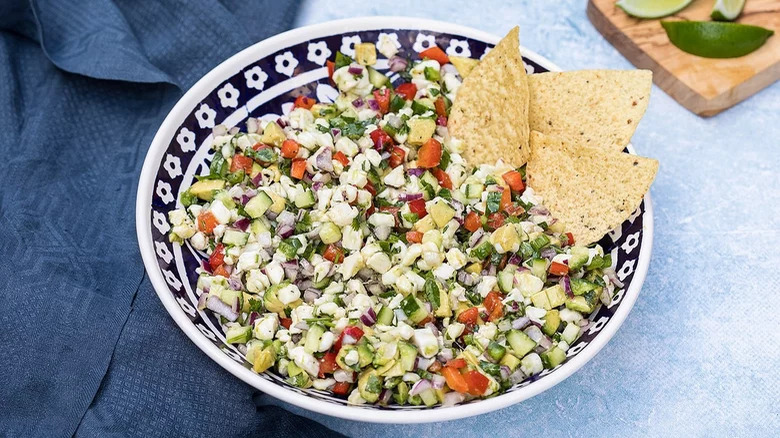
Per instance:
(704,86)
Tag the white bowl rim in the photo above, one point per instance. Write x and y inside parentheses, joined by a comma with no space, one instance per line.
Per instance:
(245,57)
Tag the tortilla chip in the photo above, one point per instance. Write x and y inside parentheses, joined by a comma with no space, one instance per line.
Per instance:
(599,108)
(590,189)
(490,113)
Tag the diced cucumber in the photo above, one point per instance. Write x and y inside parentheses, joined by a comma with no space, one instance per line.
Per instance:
(506,280)
(495,350)
(520,342)
(555,295)
(330,233)
(430,180)
(238,334)
(539,268)
(580,304)
(421,106)
(304,199)
(258,227)
(258,205)
(235,237)
(313,338)
(205,189)
(473,190)
(408,355)
(420,130)
(385,316)
(429,397)
(579,256)
(322,284)
(414,309)
(230,296)
(553,357)
(580,286)
(552,320)
(570,333)
(378,80)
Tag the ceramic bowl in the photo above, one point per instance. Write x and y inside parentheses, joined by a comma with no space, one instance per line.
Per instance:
(262,81)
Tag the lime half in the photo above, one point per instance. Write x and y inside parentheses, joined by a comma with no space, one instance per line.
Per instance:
(651,8)
(716,39)
(727,10)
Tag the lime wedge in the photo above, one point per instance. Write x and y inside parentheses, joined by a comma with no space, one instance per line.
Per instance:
(715,39)
(651,8)
(727,10)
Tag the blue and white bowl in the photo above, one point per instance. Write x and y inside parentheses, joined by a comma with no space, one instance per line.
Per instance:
(262,81)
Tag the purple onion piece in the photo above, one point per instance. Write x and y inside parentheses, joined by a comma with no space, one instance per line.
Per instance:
(515,260)
(290,269)
(335,132)
(355,70)
(253,317)
(397,63)
(281,122)
(406,197)
(310,294)
(466,278)
(566,284)
(548,253)
(325,160)
(357,103)
(202,300)
(437,381)
(368,318)
(242,224)
(420,386)
(206,266)
(234,283)
(217,306)
(520,323)
(317,185)
(417,171)
(373,104)
(505,372)
(285,231)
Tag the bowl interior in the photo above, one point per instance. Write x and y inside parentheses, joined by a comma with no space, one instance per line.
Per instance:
(262,81)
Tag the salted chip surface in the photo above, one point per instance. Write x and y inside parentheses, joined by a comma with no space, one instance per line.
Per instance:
(591,189)
(599,108)
(490,113)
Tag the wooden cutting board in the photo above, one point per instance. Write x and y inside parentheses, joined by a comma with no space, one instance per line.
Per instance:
(704,86)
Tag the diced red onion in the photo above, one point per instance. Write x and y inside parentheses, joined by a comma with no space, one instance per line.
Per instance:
(325,160)
(545,342)
(515,260)
(285,231)
(474,239)
(521,322)
(234,283)
(491,270)
(441,121)
(432,327)
(311,294)
(406,197)
(290,269)
(385,155)
(516,377)
(286,218)
(423,363)
(249,194)
(452,398)
(317,185)
(610,273)
(583,322)
(446,355)
(515,307)
(548,253)
(202,300)
(344,376)
(219,130)
(437,381)
(336,133)
(206,266)
(242,224)
(539,211)
(217,306)
(566,284)
(306,267)
(420,386)
(355,70)
(534,333)
(357,103)
(253,317)
(348,298)
(397,63)
(417,171)
(384,396)
(368,318)
(281,122)
(257,179)
(375,288)
(373,104)
(505,372)
(466,278)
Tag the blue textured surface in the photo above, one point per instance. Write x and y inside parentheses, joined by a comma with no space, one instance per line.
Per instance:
(698,355)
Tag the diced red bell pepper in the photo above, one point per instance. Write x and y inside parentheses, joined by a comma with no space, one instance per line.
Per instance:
(429,155)
(570,236)
(442,177)
(241,162)
(222,271)
(477,383)
(207,222)
(341,388)
(290,148)
(298,168)
(382,98)
(392,210)
(469,316)
(436,54)
(559,269)
(414,236)
(217,257)
(381,139)
(455,379)
(304,102)
(441,107)
(496,220)
(418,207)
(515,180)
(407,90)
(328,364)
(333,253)
(472,222)
(352,331)
(397,157)
(506,199)
(341,158)
(457,363)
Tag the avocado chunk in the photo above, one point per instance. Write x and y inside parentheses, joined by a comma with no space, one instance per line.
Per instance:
(442,213)
(420,130)
(551,322)
(205,189)
(273,134)
(370,385)
(463,65)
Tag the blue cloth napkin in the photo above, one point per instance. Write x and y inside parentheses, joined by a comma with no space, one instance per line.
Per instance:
(87,348)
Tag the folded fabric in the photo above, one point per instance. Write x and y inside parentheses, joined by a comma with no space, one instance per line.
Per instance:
(83,86)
